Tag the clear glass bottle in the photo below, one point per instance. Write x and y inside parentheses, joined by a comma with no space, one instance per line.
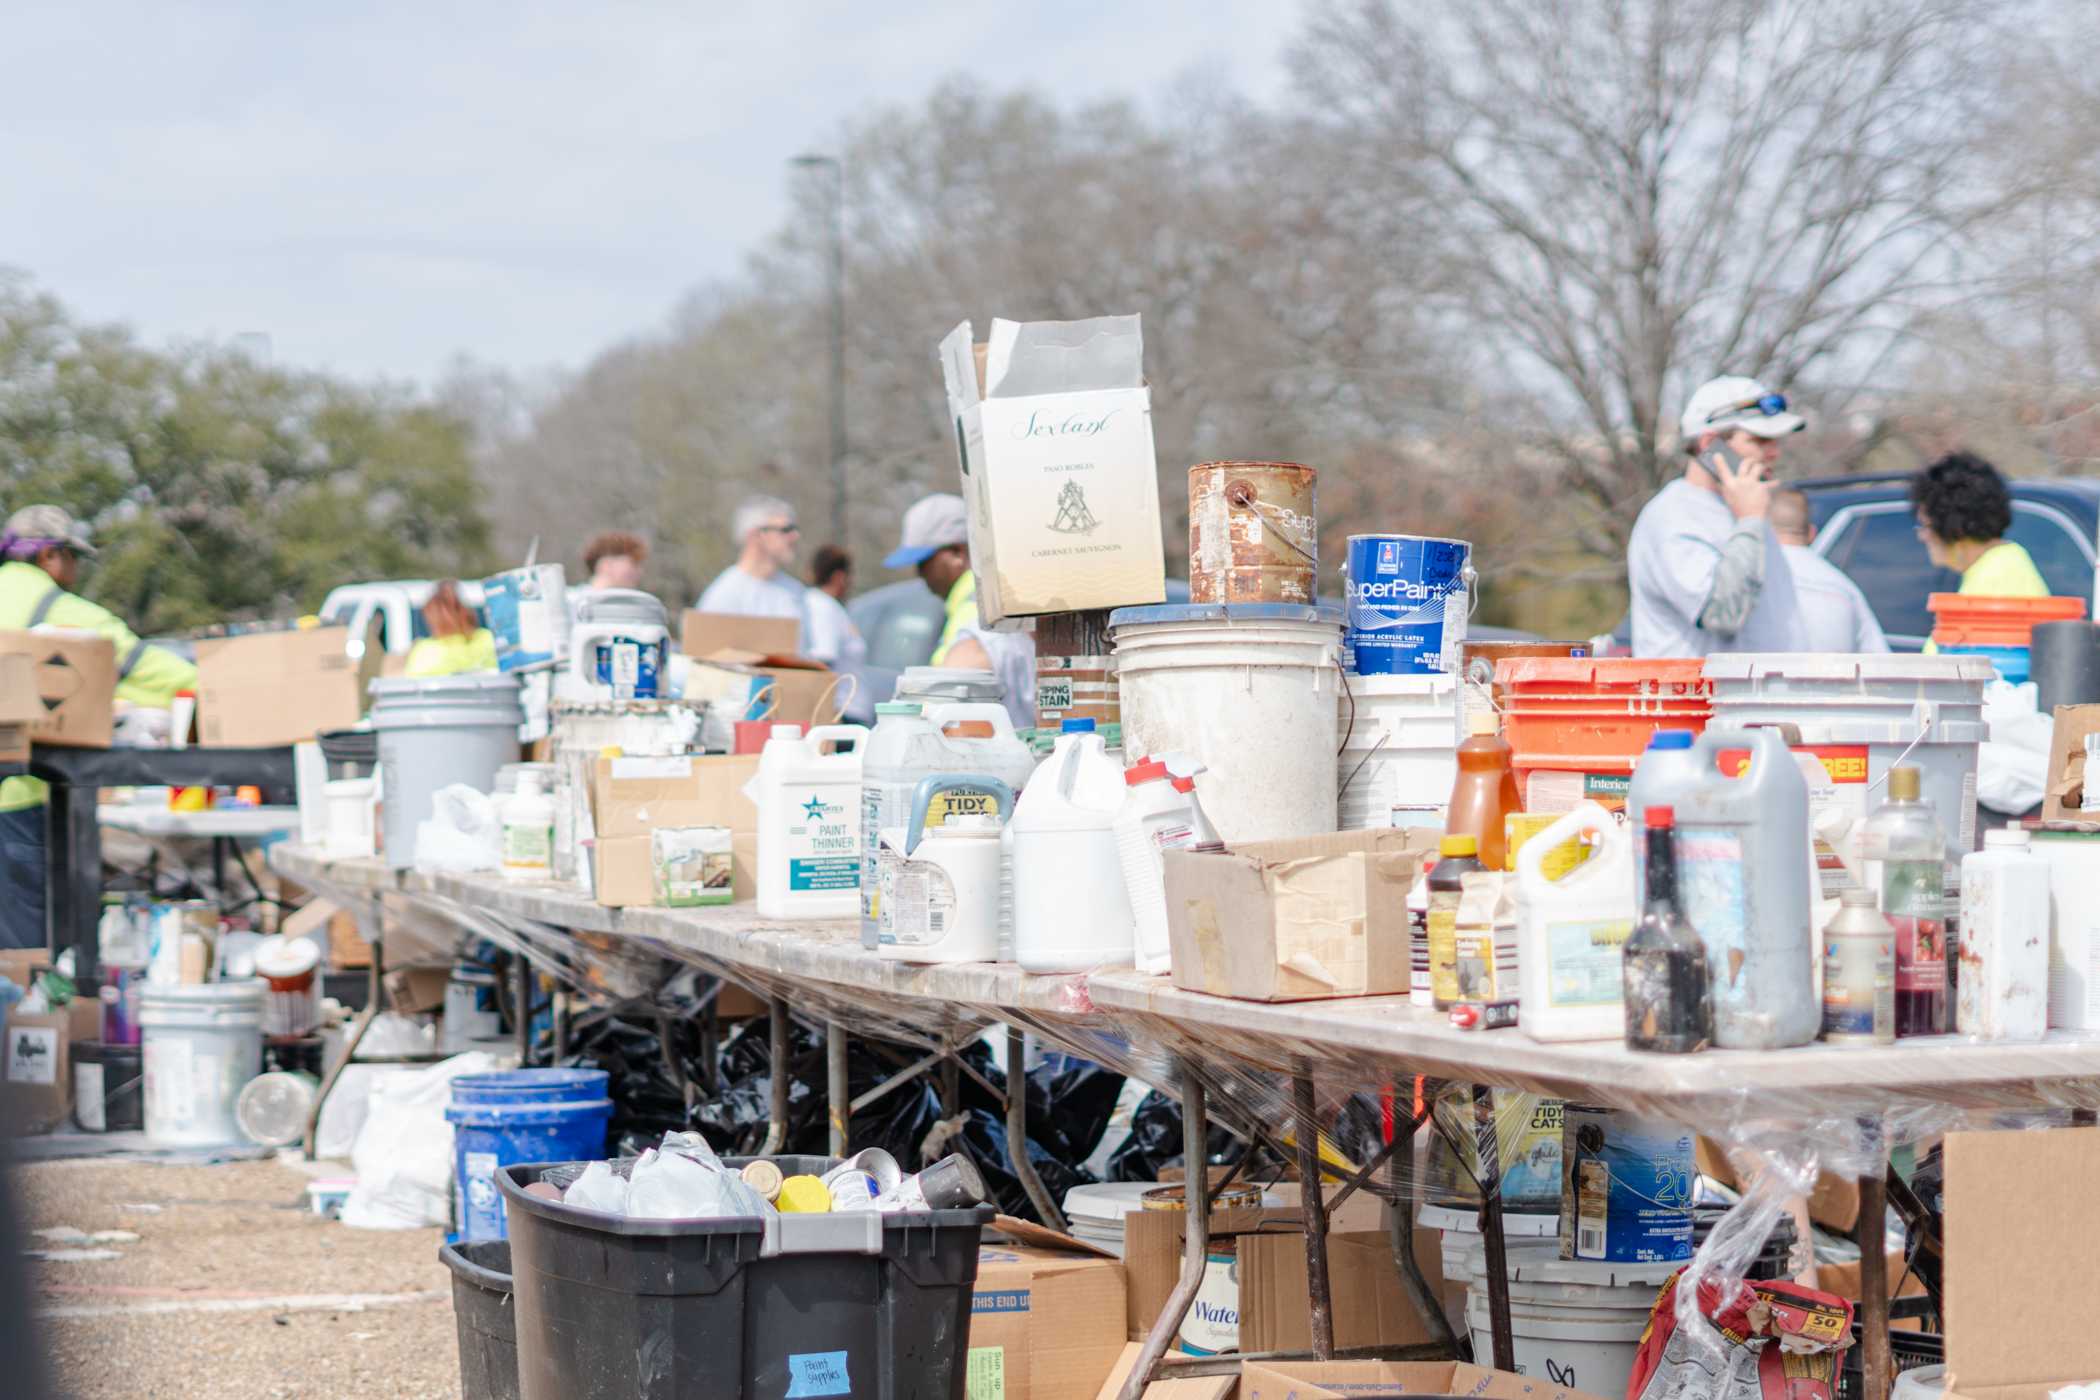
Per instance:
(1669,993)
(1906,857)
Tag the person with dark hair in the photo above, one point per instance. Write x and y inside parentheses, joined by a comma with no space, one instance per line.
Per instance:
(831,571)
(457,644)
(614,559)
(1964,509)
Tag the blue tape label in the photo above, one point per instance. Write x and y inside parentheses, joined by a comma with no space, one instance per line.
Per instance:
(815,1373)
(999,1300)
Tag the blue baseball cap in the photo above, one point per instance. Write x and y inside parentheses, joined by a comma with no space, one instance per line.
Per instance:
(930,526)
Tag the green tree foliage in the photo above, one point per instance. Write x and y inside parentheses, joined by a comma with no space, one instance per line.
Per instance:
(221,488)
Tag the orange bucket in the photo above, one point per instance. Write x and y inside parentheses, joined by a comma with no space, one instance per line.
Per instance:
(1587,720)
(1974,620)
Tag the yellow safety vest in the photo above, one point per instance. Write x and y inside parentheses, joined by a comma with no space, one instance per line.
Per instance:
(453,656)
(962,612)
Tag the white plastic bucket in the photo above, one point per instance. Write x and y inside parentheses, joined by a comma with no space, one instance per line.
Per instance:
(1400,754)
(1577,1322)
(1925,1383)
(1922,710)
(1250,690)
(434,732)
(202,1045)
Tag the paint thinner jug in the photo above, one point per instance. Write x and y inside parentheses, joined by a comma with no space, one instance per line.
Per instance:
(809,834)
(1071,912)
(941,889)
(619,647)
(435,731)
(1249,690)
(1571,931)
(1408,597)
(1745,888)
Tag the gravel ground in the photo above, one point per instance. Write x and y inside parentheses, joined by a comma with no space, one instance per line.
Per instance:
(233,1289)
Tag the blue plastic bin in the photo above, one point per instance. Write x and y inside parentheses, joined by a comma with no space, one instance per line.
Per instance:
(2011,663)
(516,1116)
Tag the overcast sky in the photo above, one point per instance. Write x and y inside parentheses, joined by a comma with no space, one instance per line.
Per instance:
(378,186)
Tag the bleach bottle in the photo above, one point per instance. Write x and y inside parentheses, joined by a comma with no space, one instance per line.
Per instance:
(809,805)
(1160,813)
(1071,912)
(1572,931)
(1666,768)
(1745,886)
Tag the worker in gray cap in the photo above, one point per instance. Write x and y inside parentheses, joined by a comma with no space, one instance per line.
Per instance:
(41,550)
(936,542)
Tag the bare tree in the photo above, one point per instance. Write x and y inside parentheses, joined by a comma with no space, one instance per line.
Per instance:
(1628,196)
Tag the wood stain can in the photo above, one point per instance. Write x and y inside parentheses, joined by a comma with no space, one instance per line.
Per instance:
(1254,532)
(1076,687)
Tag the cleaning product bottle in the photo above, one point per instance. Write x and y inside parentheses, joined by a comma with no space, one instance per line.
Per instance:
(1665,769)
(1668,987)
(978,736)
(1571,931)
(528,831)
(940,899)
(1071,911)
(1458,855)
(1744,883)
(890,772)
(1159,814)
(1859,973)
(2003,989)
(809,805)
(1906,868)
(1486,790)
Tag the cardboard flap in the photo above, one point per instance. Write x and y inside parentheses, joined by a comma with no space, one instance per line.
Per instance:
(2066,777)
(712,634)
(1318,1380)
(1043,1237)
(2021,1218)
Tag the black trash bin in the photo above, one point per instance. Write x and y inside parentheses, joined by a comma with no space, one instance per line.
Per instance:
(482,1308)
(858,1304)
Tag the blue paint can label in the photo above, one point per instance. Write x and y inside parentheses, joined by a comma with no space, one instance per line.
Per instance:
(1626,1189)
(632,667)
(1407,604)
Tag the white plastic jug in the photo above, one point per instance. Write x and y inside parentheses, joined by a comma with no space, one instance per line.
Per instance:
(1160,812)
(1743,872)
(1071,912)
(2003,989)
(809,823)
(940,887)
(1571,932)
(891,770)
(619,647)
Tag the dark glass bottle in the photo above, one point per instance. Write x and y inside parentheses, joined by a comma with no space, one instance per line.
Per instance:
(1669,997)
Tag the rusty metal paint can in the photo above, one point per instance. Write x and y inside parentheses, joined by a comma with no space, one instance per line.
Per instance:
(1254,532)
(1076,687)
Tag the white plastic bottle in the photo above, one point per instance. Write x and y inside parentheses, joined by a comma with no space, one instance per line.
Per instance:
(1159,814)
(890,772)
(2003,989)
(528,831)
(1571,931)
(1667,768)
(809,835)
(1071,912)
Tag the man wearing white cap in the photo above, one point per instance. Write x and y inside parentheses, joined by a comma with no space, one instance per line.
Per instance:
(1707,572)
(936,542)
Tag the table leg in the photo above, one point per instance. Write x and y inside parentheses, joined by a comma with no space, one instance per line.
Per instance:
(1017,1133)
(837,1093)
(1195,1137)
(73,879)
(522,997)
(1490,1153)
(561,1025)
(777,1113)
(1878,1362)
(1428,1307)
(357,1035)
(1312,1197)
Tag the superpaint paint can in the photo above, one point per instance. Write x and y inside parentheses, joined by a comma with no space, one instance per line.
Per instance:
(1407,598)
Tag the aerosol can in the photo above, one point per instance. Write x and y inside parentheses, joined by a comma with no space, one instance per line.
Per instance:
(940,889)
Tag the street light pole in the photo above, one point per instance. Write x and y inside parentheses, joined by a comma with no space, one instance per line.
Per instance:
(837,279)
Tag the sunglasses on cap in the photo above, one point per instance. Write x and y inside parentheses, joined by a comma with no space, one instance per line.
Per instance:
(1767,406)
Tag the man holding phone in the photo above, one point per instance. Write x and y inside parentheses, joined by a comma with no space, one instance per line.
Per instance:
(1707,571)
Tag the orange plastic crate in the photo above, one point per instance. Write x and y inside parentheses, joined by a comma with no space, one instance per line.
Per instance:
(1975,620)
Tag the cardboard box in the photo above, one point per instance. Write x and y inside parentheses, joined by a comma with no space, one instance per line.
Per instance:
(336,927)
(752,661)
(1370,1303)
(1180,1388)
(2066,775)
(1044,1324)
(267,688)
(1053,433)
(2021,1218)
(35,1070)
(1833,1204)
(413,989)
(1314,916)
(630,797)
(20,707)
(1333,1380)
(75,677)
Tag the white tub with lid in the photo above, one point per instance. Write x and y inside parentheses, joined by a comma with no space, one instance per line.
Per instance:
(201,1046)
(1578,1321)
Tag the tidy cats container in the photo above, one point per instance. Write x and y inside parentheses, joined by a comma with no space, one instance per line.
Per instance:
(1577,725)
(203,1043)
(1249,690)
(433,732)
(515,1116)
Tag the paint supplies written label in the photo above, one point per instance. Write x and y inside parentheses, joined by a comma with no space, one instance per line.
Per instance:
(817,1373)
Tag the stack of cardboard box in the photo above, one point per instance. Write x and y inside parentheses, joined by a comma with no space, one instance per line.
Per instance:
(73,680)
(632,797)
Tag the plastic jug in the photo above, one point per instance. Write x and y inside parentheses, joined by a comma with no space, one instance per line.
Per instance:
(619,647)
(890,772)
(1570,931)
(1666,768)
(1160,813)
(2003,990)
(940,896)
(1071,912)
(809,823)
(1744,884)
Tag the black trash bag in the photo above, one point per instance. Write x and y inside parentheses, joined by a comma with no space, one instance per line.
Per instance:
(647,1101)
(1154,1144)
(1070,1103)
(983,1140)
(900,1120)
(1359,1131)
